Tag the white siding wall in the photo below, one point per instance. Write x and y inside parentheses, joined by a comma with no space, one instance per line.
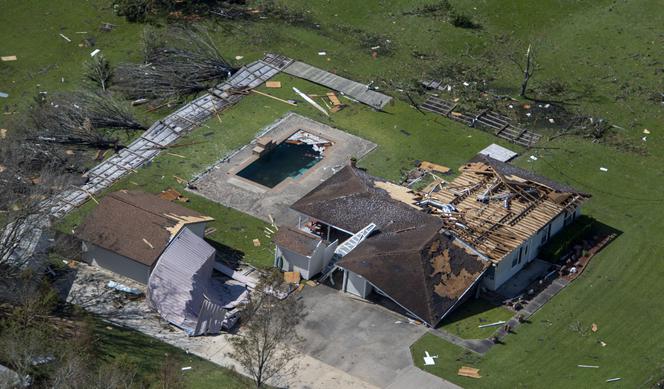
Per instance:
(292,261)
(504,270)
(307,266)
(116,263)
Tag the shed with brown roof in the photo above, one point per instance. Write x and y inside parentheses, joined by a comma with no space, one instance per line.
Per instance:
(129,230)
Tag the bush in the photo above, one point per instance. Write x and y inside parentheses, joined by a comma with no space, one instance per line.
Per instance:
(463,21)
(135,11)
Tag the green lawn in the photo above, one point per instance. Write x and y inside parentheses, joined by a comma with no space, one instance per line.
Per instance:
(150,355)
(607,52)
(464,321)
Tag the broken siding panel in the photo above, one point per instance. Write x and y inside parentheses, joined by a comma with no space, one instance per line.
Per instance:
(181,278)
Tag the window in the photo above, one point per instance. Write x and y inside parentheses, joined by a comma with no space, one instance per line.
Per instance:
(520,253)
(514,261)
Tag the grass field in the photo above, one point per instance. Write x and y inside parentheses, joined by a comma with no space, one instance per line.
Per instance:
(464,321)
(150,356)
(608,51)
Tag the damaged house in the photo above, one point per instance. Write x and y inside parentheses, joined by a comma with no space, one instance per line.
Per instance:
(389,245)
(426,252)
(504,212)
(161,244)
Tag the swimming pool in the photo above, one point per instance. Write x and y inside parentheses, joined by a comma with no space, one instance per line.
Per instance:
(287,159)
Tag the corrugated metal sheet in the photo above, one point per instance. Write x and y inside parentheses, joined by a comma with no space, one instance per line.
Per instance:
(180,279)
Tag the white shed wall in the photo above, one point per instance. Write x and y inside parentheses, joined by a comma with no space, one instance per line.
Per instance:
(116,263)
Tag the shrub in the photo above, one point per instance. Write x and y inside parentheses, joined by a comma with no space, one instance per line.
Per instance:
(463,21)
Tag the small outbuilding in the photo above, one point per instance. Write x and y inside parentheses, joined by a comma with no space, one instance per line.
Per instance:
(129,230)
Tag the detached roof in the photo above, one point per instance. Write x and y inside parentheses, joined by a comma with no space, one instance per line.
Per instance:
(495,207)
(136,225)
(351,199)
(420,269)
(296,240)
(181,278)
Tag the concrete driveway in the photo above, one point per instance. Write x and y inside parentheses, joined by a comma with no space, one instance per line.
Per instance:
(362,339)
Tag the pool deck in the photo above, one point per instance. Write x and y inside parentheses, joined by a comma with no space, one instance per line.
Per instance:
(222,185)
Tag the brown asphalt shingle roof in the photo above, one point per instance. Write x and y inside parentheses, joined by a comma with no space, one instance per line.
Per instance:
(124,220)
(427,278)
(350,200)
(296,240)
(407,258)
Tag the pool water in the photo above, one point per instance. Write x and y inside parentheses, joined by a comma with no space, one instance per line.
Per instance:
(285,160)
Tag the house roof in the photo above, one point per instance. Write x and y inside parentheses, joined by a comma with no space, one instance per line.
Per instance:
(297,241)
(136,225)
(351,199)
(181,278)
(495,207)
(420,269)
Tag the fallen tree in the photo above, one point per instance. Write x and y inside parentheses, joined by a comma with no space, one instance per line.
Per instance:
(181,62)
(79,118)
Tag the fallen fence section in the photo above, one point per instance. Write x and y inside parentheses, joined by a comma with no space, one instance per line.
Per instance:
(486,120)
(355,90)
(165,132)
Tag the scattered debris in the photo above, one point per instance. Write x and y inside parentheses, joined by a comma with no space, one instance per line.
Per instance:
(603,169)
(273,84)
(106,27)
(3,94)
(124,288)
(148,243)
(139,102)
(613,379)
(311,283)
(470,372)
(209,231)
(310,101)
(428,359)
(593,327)
(180,180)
(589,366)
(292,277)
(322,53)
(257,243)
(3,133)
(238,57)
(65,38)
(432,167)
(646,131)
(171,194)
(492,324)
(186,368)
(534,158)
(333,99)
(498,152)
(8,58)
(602,343)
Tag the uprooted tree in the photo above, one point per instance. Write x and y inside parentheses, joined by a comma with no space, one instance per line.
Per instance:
(181,62)
(264,345)
(79,118)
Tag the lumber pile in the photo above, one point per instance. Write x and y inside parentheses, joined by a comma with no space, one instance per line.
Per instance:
(471,372)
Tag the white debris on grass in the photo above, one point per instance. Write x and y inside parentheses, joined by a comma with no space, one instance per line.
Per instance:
(603,169)
(95,52)
(429,359)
